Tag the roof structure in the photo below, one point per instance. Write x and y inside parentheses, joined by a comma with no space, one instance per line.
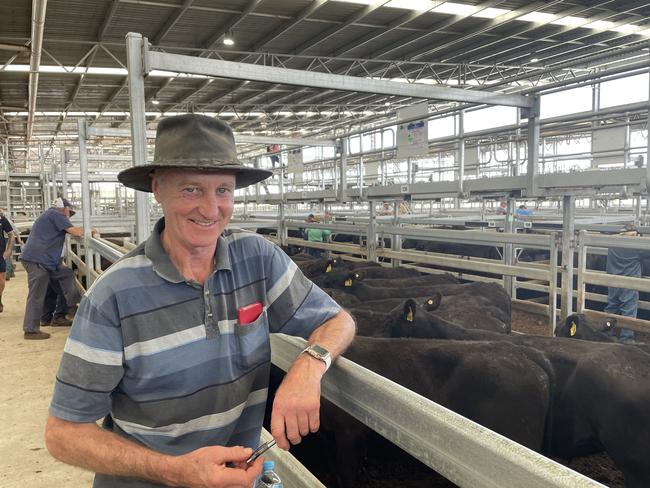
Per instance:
(508,46)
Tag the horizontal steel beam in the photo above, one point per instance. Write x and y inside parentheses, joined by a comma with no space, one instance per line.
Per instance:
(460,263)
(267,74)
(462,451)
(627,242)
(239,138)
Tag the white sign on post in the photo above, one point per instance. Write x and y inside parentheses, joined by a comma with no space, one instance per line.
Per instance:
(413,137)
(294,161)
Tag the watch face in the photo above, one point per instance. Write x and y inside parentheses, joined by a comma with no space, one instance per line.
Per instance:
(321,351)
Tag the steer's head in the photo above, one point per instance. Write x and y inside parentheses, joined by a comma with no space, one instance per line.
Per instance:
(579,326)
(433,302)
(410,320)
(349,280)
(330,265)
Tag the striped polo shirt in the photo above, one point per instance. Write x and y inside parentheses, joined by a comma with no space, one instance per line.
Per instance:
(166,361)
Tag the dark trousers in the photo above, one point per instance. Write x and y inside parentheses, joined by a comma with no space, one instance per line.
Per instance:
(38,280)
(54,306)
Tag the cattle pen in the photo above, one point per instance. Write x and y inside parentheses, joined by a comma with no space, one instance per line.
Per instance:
(471,181)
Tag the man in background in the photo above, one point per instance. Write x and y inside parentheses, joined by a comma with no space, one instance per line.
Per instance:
(625,262)
(6,245)
(41,259)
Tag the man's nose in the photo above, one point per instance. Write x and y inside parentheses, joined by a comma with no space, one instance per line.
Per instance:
(209,205)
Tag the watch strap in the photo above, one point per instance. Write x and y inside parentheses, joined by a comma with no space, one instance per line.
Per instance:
(327,358)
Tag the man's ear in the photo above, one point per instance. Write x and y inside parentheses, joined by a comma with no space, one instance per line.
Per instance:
(155,186)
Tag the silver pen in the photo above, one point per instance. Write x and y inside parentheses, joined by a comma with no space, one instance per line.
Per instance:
(260,450)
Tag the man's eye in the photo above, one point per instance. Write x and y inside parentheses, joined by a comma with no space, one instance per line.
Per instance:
(224,190)
(190,189)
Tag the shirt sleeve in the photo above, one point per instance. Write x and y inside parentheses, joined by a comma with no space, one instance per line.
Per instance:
(295,305)
(6,226)
(61,221)
(92,362)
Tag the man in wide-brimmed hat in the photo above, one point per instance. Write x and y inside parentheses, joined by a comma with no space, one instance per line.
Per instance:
(171,344)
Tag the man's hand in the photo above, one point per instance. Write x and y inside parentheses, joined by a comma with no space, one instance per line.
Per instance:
(206,468)
(296,408)
(5,254)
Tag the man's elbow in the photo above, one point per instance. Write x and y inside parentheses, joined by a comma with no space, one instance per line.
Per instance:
(53,436)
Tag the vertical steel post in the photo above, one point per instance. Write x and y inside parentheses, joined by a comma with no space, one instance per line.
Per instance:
(343,171)
(508,281)
(582,267)
(552,284)
(136,46)
(647,155)
(65,155)
(53,176)
(461,152)
(85,200)
(8,178)
(396,240)
(371,238)
(568,247)
(532,114)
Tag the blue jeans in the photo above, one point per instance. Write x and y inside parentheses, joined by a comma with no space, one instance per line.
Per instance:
(621,301)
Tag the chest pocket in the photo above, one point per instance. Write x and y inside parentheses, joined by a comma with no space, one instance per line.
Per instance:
(252,342)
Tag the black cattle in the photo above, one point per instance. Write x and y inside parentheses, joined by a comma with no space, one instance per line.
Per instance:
(579,326)
(344,299)
(466,310)
(504,388)
(317,267)
(601,398)
(423,280)
(339,274)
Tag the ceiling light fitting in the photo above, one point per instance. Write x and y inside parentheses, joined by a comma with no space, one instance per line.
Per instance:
(228,39)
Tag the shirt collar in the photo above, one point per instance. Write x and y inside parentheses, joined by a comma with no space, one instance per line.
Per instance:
(164,267)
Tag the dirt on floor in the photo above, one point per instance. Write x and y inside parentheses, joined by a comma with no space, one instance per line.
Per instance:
(29,369)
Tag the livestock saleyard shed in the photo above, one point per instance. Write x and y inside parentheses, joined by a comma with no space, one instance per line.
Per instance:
(474,162)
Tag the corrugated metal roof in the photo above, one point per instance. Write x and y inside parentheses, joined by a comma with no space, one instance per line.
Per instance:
(271,34)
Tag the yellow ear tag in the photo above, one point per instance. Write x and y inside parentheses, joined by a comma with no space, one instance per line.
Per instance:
(409,315)
(574,328)
(329,268)
(348,282)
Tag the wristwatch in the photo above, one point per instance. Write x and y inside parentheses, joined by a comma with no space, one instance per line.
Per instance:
(319,352)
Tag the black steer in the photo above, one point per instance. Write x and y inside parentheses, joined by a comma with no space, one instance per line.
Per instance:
(579,326)
(602,391)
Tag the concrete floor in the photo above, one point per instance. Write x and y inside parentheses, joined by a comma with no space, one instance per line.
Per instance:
(28,372)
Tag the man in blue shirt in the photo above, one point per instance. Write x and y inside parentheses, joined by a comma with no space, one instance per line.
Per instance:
(41,259)
(6,245)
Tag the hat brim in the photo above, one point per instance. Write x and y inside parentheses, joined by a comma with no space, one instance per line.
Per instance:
(139,177)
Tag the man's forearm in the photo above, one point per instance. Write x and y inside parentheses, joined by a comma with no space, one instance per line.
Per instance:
(336,334)
(90,447)
(10,243)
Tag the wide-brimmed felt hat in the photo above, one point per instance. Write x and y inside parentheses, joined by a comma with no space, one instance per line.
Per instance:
(194,142)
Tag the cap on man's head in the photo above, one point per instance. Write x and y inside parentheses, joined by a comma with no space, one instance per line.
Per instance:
(192,141)
(62,203)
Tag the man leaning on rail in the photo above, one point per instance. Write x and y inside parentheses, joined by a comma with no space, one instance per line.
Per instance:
(171,344)
(41,258)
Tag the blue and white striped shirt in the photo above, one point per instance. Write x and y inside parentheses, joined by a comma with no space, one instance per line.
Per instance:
(167,359)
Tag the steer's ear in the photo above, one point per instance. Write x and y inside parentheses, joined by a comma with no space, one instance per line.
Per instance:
(409,310)
(350,279)
(433,302)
